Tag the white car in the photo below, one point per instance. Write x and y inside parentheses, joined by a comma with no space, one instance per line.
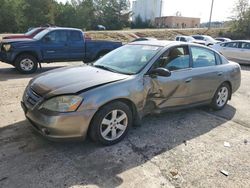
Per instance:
(235,50)
(208,40)
(189,39)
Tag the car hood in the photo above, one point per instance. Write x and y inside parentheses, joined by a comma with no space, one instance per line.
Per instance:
(18,40)
(15,36)
(71,80)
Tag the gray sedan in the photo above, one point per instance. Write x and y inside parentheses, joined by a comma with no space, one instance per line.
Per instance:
(104,99)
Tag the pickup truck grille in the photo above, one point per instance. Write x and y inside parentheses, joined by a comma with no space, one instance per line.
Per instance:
(32,98)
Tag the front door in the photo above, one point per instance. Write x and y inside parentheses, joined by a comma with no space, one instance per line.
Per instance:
(230,50)
(55,46)
(244,51)
(173,90)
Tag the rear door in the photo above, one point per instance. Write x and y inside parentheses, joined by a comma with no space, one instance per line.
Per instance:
(244,51)
(55,46)
(76,46)
(206,76)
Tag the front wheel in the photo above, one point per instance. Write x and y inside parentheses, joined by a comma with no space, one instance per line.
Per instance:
(26,64)
(111,123)
(221,97)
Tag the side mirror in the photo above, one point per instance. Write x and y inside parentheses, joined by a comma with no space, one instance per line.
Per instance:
(47,39)
(160,72)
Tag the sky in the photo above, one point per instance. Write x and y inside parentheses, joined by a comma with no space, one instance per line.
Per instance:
(223,9)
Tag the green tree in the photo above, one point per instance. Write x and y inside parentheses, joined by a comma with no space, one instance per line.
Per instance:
(8,21)
(112,13)
(241,21)
(37,12)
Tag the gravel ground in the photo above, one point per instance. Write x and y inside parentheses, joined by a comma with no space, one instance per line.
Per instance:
(181,149)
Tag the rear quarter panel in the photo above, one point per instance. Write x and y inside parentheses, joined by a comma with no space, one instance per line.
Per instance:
(231,73)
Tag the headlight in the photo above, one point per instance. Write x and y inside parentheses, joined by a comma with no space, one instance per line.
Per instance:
(67,103)
(6,47)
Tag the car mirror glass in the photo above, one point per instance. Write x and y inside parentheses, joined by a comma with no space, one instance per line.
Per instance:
(160,72)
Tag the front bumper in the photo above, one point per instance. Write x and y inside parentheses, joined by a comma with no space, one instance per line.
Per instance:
(6,57)
(72,125)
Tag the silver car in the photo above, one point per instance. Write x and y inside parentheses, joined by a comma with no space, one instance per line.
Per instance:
(235,50)
(104,99)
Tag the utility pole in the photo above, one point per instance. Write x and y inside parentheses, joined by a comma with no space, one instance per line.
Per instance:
(160,8)
(211,12)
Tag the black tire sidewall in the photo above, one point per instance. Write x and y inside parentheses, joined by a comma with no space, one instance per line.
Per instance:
(214,104)
(95,133)
(26,56)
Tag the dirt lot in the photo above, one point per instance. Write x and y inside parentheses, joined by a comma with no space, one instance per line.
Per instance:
(129,35)
(181,149)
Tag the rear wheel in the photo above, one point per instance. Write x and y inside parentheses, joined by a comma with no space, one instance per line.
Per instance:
(26,64)
(221,97)
(111,123)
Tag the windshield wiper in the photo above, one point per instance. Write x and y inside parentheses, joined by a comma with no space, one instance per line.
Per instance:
(110,69)
(105,68)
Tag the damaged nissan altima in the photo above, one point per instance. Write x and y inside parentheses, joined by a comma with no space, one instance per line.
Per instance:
(104,99)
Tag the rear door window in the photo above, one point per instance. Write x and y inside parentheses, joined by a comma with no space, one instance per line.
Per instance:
(183,39)
(245,45)
(75,36)
(202,57)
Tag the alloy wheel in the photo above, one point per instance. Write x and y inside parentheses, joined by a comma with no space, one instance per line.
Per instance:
(113,125)
(222,96)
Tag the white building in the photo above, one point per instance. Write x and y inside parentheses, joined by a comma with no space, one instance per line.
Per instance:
(147,9)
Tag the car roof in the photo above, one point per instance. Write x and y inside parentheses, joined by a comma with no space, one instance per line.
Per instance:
(239,41)
(62,28)
(164,43)
(184,36)
(161,43)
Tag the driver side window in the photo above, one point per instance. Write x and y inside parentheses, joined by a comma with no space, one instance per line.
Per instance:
(57,36)
(174,59)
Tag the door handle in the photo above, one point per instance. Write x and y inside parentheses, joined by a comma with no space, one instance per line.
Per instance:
(188,80)
(219,73)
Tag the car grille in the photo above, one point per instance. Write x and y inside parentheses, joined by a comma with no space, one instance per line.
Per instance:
(32,98)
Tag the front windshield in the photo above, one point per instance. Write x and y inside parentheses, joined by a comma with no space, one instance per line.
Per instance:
(31,31)
(210,39)
(128,59)
(190,39)
(41,34)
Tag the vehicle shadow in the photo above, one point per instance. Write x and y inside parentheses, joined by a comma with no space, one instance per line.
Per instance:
(29,160)
(12,73)
(245,67)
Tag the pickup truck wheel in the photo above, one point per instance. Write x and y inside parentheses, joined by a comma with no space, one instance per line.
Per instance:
(111,123)
(26,64)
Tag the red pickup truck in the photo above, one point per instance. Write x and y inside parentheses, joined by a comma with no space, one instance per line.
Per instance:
(33,32)
(30,34)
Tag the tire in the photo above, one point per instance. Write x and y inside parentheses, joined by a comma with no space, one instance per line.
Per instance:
(221,97)
(26,64)
(106,127)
